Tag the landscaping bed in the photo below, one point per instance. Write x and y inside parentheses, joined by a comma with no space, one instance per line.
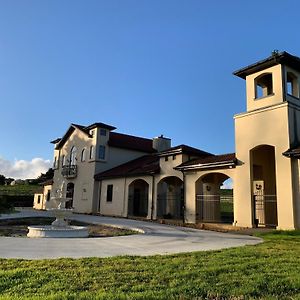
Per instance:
(18,227)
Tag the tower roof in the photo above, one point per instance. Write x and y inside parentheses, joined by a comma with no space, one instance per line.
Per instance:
(275,59)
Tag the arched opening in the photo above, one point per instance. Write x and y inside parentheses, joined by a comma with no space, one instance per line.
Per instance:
(263,85)
(70,194)
(138,198)
(264,186)
(170,203)
(292,86)
(214,198)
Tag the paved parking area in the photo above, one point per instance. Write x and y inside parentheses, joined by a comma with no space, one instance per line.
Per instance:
(155,239)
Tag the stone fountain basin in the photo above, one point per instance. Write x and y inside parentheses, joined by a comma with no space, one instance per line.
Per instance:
(57,232)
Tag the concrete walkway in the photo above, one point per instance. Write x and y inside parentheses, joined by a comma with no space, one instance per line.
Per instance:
(157,239)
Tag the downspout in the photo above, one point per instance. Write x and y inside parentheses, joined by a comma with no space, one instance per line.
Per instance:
(124,198)
(100,190)
(152,198)
(183,206)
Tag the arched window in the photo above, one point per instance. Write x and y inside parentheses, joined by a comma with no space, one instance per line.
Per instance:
(83,154)
(91,152)
(263,85)
(73,156)
(292,86)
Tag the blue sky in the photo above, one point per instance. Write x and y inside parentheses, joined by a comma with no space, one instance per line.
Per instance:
(147,67)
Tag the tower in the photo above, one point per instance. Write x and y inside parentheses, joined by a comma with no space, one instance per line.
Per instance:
(267,137)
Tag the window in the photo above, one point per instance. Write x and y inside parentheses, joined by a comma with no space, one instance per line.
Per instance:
(63,161)
(39,199)
(102,132)
(166,158)
(109,193)
(73,158)
(83,154)
(48,196)
(174,157)
(55,163)
(91,152)
(263,86)
(292,86)
(101,153)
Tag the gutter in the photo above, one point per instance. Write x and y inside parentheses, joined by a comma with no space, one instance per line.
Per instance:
(208,166)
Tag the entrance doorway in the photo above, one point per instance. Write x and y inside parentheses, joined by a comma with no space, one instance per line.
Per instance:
(170,198)
(138,198)
(264,186)
(214,204)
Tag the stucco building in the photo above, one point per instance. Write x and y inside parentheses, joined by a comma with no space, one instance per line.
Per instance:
(116,174)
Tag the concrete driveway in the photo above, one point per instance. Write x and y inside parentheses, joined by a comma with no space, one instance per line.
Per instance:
(156,239)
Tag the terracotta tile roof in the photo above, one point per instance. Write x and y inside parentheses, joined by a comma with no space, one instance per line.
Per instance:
(118,140)
(275,59)
(185,150)
(145,165)
(209,162)
(130,142)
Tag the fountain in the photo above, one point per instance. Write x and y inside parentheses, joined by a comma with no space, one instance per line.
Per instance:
(60,227)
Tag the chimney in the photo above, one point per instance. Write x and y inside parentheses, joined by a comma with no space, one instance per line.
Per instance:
(161,143)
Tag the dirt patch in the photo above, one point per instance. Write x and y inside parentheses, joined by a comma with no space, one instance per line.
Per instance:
(18,227)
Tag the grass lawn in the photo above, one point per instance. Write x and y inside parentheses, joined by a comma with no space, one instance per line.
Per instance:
(270,270)
(21,189)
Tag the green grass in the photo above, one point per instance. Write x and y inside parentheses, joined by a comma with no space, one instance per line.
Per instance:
(22,189)
(270,270)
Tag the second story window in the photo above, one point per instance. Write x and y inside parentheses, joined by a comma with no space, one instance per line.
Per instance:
(63,161)
(55,163)
(101,153)
(103,132)
(83,154)
(91,152)
(73,156)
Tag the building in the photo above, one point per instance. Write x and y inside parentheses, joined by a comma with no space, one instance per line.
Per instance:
(121,175)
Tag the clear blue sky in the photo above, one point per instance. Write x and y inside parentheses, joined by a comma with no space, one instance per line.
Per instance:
(148,67)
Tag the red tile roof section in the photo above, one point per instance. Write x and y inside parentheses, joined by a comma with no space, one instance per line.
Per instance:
(185,150)
(130,142)
(145,165)
(229,157)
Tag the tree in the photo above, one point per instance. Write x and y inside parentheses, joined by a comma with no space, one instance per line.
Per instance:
(2,179)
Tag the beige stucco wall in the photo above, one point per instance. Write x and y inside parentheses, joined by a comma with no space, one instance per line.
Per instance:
(37,197)
(85,171)
(277,97)
(119,204)
(86,190)
(44,204)
(268,126)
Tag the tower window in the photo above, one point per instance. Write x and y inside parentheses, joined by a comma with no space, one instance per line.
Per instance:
(263,86)
(102,132)
(101,153)
(292,86)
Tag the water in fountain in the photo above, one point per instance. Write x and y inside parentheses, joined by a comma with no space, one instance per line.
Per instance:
(60,227)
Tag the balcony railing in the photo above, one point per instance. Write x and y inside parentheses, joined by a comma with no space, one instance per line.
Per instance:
(69,171)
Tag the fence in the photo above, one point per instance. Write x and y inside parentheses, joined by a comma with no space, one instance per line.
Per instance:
(214,208)
(265,209)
